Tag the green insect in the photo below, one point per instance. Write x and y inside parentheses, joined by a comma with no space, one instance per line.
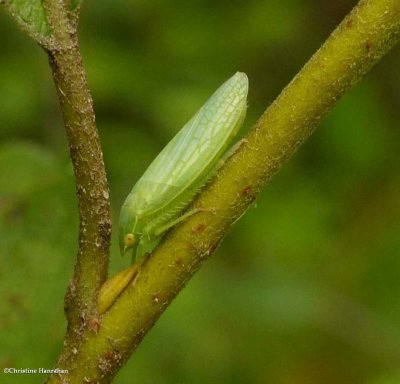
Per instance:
(172,180)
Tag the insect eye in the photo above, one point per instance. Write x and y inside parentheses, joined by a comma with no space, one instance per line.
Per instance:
(129,240)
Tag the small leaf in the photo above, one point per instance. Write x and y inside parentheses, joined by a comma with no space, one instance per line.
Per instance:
(31,15)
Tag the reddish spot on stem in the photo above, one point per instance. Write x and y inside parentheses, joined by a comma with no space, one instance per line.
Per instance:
(94,325)
(178,262)
(199,228)
(247,190)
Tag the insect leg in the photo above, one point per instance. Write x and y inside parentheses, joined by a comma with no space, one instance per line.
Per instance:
(231,151)
(146,246)
(176,221)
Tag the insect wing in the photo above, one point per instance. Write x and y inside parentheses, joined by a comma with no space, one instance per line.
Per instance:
(196,147)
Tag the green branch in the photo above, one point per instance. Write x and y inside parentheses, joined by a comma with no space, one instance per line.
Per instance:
(365,35)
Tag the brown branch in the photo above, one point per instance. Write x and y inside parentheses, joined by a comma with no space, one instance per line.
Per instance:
(87,159)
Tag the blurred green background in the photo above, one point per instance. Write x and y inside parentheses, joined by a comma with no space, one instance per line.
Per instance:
(306,287)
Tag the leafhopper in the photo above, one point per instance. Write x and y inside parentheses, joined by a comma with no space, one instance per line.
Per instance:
(182,168)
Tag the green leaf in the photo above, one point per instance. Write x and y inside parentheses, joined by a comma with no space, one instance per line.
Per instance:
(31,15)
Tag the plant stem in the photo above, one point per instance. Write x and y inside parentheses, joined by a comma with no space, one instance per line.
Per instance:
(87,159)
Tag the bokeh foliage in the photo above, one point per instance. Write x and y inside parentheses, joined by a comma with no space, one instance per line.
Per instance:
(303,290)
